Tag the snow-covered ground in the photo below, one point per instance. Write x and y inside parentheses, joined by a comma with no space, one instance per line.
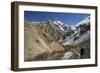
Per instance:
(67,55)
(81,39)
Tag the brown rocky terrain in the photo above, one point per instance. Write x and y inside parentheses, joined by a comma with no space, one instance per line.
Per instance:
(39,45)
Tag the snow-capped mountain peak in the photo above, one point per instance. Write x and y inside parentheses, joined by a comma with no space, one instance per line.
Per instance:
(61,25)
(35,22)
(84,21)
(58,23)
(80,35)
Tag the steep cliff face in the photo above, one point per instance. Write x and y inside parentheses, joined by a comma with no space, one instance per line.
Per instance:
(39,45)
(52,30)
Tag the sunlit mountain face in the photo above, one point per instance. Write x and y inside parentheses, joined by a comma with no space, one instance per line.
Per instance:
(55,39)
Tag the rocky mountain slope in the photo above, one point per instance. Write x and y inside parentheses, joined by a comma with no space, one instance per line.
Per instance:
(39,45)
(80,40)
(55,40)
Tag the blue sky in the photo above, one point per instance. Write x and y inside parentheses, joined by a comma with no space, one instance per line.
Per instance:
(67,18)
